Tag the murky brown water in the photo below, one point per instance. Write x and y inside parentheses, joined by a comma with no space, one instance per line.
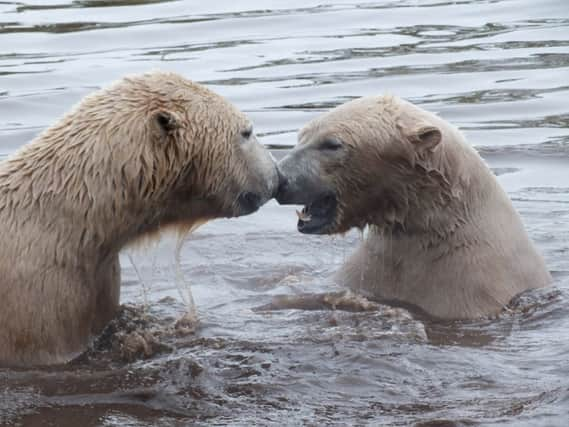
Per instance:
(498,69)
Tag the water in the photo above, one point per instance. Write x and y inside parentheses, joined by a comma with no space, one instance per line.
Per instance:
(498,69)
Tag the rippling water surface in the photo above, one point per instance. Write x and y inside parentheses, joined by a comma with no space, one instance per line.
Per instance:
(498,69)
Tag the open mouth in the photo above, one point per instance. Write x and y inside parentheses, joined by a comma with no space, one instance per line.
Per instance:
(318,216)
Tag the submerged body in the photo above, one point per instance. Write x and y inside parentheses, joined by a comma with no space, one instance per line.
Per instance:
(150,152)
(443,235)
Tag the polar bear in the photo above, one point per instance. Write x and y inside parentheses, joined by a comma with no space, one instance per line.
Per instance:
(443,235)
(150,152)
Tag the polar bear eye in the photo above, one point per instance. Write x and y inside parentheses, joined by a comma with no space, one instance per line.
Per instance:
(247,133)
(331,144)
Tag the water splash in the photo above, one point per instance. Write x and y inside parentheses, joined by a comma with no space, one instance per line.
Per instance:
(183,285)
(145,287)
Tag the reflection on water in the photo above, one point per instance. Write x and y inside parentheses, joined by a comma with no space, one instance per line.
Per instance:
(498,69)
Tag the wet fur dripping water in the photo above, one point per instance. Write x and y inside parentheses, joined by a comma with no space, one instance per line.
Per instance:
(498,70)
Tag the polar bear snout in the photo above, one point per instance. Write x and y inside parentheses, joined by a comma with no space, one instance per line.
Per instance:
(300,183)
(262,178)
(300,180)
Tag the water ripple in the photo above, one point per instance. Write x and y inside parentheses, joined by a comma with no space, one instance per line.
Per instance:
(498,69)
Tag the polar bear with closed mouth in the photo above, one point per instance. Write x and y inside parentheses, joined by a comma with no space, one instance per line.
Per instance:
(150,152)
(443,235)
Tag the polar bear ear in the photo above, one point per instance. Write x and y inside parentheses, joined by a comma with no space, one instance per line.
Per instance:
(165,122)
(425,137)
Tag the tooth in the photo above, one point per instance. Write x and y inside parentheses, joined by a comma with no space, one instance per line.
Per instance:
(303,216)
